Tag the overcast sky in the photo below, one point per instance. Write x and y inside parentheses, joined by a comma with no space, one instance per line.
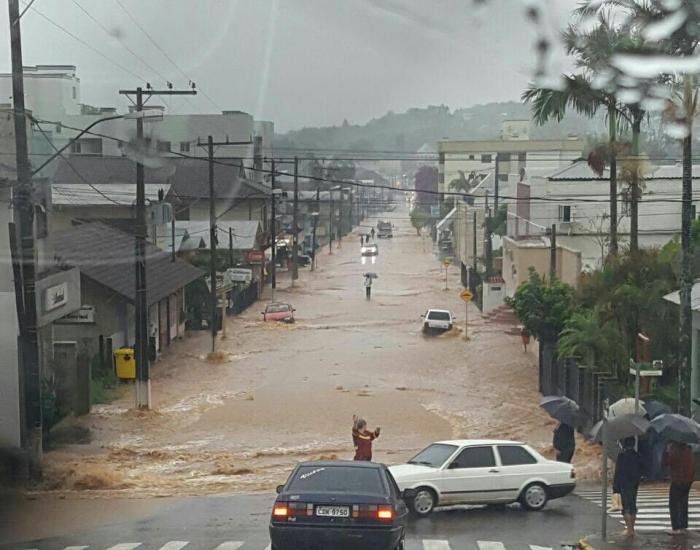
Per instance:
(296,62)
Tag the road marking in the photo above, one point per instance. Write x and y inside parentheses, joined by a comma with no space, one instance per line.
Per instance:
(535,547)
(75,548)
(125,546)
(175,545)
(436,544)
(230,545)
(490,545)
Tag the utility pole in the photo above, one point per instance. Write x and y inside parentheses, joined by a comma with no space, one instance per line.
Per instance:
(496,182)
(31,421)
(172,235)
(612,130)
(143,382)
(553,254)
(487,241)
(295,230)
(230,246)
(273,282)
(475,242)
(213,239)
(340,219)
(316,214)
(686,286)
(330,223)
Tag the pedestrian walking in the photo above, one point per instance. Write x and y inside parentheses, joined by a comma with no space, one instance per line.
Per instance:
(362,439)
(368,287)
(628,473)
(681,467)
(372,233)
(524,338)
(564,442)
(362,239)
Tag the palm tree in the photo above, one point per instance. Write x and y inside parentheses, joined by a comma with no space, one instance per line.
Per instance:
(589,340)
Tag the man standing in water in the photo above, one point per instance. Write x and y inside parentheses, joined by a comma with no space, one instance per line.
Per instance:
(628,472)
(368,286)
(362,439)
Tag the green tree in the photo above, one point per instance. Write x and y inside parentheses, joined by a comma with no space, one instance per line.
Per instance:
(419,219)
(592,341)
(541,307)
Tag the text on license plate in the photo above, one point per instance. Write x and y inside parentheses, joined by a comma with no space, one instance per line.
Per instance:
(333,511)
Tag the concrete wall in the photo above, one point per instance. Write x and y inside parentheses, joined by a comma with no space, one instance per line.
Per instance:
(519,256)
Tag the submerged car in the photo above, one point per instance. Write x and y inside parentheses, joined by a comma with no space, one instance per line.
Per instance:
(279,312)
(339,504)
(437,320)
(370,250)
(482,472)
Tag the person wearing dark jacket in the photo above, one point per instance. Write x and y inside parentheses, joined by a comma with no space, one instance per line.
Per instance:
(628,472)
(681,467)
(564,442)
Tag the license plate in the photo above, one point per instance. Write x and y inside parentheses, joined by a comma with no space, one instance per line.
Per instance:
(333,511)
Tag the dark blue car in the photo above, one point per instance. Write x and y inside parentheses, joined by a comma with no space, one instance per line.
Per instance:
(339,504)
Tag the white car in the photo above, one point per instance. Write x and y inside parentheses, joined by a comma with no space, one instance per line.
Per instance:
(437,319)
(369,250)
(482,472)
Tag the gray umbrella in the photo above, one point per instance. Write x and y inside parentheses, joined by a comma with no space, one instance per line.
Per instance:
(620,427)
(563,409)
(675,427)
(656,408)
(372,275)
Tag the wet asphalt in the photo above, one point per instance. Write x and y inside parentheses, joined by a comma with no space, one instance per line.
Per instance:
(206,522)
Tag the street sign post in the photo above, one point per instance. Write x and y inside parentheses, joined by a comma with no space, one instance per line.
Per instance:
(467,297)
(446,263)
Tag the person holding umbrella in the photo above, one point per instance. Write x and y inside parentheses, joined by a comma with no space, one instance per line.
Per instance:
(681,465)
(628,472)
(564,442)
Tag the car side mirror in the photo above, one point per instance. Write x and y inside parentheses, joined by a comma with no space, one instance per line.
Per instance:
(279,489)
(408,494)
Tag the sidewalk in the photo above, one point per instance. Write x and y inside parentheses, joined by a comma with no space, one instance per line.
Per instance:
(642,541)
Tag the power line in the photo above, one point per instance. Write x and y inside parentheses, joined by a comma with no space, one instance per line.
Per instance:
(87,45)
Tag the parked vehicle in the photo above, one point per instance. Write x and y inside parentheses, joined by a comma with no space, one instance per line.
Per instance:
(437,320)
(370,250)
(482,472)
(339,504)
(385,230)
(279,312)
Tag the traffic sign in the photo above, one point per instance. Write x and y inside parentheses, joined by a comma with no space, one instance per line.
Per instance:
(446,262)
(466,295)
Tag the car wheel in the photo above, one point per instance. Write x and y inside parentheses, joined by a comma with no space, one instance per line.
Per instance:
(424,502)
(534,497)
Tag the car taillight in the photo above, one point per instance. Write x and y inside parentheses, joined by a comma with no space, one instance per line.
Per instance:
(280,511)
(385,513)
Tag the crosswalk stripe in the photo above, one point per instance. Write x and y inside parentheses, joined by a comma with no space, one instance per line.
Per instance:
(436,545)
(175,545)
(75,548)
(125,546)
(229,545)
(535,547)
(490,545)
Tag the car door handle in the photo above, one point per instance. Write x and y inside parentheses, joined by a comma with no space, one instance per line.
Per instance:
(494,470)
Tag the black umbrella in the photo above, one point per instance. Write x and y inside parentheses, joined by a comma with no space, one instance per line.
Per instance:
(656,408)
(675,427)
(371,275)
(563,409)
(620,427)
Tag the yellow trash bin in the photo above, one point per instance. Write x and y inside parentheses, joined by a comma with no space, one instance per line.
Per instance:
(125,363)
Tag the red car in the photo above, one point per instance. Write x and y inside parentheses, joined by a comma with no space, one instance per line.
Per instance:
(279,312)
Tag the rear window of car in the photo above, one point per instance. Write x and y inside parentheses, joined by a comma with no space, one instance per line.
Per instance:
(513,455)
(439,316)
(337,479)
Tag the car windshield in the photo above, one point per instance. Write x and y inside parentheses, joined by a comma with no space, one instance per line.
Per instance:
(435,455)
(341,479)
(440,316)
(277,308)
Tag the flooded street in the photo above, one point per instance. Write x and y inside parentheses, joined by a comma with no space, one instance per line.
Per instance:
(279,393)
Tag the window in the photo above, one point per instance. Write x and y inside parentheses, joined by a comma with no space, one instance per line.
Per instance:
(565,213)
(87,146)
(471,157)
(439,316)
(338,478)
(184,146)
(441,158)
(486,159)
(522,157)
(434,455)
(474,457)
(512,455)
